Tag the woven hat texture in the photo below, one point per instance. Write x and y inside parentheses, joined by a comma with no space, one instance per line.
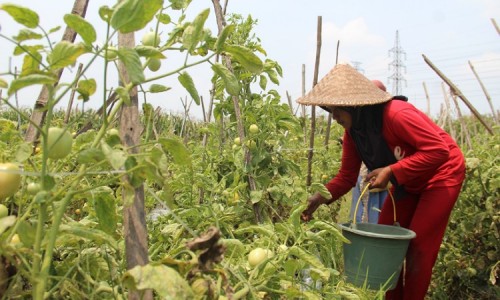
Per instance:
(344,86)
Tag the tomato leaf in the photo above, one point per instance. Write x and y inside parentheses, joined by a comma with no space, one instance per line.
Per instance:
(153,277)
(26,34)
(31,64)
(194,31)
(21,15)
(87,233)
(65,54)
(29,80)
(245,57)
(230,81)
(105,208)
(132,62)
(158,88)
(177,150)
(82,27)
(187,82)
(86,88)
(133,15)
(219,44)
(6,222)
(3,84)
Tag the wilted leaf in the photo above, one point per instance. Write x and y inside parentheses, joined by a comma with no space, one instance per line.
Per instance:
(88,233)
(165,281)
(6,222)
(3,84)
(114,156)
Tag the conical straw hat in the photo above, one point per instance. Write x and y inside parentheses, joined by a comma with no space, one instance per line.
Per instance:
(344,86)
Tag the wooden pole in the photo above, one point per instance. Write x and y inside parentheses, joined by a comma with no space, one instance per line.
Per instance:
(39,111)
(428,99)
(289,101)
(448,112)
(134,217)
(495,25)
(463,126)
(488,98)
(313,108)
(457,92)
(303,106)
(70,102)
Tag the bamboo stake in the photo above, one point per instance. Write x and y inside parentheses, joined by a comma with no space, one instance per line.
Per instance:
(303,106)
(457,92)
(428,99)
(485,92)
(241,130)
(134,217)
(39,111)
(289,101)
(448,110)
(72,96)
(495,25)
(463,126)
(330,115)
(313,108)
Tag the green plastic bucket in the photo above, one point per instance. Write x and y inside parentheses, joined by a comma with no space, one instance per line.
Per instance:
(375,255)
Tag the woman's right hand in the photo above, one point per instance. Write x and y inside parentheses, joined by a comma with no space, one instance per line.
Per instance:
(313,203)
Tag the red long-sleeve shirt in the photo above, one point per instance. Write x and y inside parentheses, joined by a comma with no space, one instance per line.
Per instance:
(426,155)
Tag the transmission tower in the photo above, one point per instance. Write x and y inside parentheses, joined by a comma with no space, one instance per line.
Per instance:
(357,66)
(397,66)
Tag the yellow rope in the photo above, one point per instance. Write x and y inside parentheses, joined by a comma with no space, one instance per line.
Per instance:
(359,200)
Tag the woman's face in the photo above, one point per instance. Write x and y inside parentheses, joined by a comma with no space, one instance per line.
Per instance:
(342,117)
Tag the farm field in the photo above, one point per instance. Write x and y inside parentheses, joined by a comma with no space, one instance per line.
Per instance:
(129,201)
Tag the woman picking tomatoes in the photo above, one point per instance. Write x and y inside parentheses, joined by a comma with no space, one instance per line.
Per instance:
(400,144)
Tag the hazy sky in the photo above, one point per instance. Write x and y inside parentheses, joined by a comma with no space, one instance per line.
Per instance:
(451,33)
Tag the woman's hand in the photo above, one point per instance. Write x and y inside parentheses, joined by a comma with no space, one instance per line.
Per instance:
(379,178)
(312,205)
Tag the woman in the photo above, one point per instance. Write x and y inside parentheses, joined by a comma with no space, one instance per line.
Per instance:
(399,143)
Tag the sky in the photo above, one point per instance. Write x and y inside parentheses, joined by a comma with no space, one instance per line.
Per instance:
(450,33)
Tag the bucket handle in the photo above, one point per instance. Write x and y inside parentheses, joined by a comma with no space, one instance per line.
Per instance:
(359,200)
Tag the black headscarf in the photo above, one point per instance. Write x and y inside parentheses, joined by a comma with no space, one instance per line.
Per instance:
(366,132)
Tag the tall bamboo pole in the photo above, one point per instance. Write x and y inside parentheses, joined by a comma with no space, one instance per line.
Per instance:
(463,126)
(488,98)
(134,218)
(303,106)
(495,25)
(39,111)
(457,92)
(313,107)
(448,111)
(330,115)
(428,99)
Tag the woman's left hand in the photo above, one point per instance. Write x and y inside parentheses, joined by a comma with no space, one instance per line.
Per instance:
(379,178)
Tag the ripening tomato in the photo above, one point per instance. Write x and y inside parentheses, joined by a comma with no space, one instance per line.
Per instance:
(254,128)
(9,182)
(59,143)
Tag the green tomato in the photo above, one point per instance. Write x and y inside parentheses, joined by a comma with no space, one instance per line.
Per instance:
(33,188)
(15,241)
(237,141)
(154,64)
(113,131)
(254,128)
(4,211)
(258,255)
(151,39)
(111,53)
(59,143)
(9,182)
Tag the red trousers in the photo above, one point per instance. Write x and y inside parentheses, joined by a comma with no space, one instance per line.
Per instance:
(427,214)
